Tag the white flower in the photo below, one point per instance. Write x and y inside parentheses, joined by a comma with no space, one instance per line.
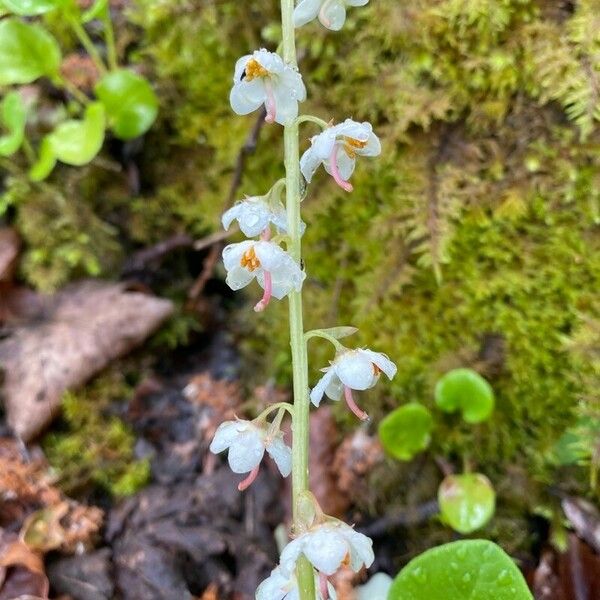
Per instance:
(327,547)
(331,13)
(280,587)
(352,370)
(274,269)
(254,214)
(247,443)
(263,78)
(337,148)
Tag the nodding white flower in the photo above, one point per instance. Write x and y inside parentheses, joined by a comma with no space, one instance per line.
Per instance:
(281,587)
(352,370)
(263,78)
(327,546)
(254,214)
(331,13)
(274,269)
(337,148)
(247,443)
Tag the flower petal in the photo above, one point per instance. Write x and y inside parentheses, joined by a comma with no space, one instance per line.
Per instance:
(230,215)
(239,278)
(240,67)
(290,554)
(335,389)
(306,11)
(309,163)
(240,103)
(274,587)
(382,361)
(281,454)
(325,549)
(361,550)
(355,370)
(357,2)
(316,394)
(225,434)
(333,15)
(232,253)
(246,451)
(373,147)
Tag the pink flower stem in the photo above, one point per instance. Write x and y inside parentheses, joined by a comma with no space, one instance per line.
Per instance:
(270,104)
(361,414)
(264,301)
(265,236)
(323,586)
(246,483)
(335,172)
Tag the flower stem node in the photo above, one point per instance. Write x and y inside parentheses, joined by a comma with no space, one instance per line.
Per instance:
(352,370)
(281,587)
(247,442)
(331,13)
(263,78)
(336,149)
(274,269)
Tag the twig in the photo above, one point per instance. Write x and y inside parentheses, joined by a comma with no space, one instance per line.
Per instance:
(401,518)
(215,252)
(141,259)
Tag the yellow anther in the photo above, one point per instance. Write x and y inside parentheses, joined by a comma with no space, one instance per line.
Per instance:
(351,145)
(254,69)
(250,260)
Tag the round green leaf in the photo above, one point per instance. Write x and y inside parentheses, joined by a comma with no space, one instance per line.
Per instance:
(406,431)
(72,142)
(467,391)
(467,502)
(77,142)
(465,570)
(45,162)
(30,8)
(131,105)
(13,116)
(27,52)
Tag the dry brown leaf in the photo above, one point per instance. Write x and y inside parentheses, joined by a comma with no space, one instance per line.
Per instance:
(23,573)
(85,326)
(323,441)
(355,458)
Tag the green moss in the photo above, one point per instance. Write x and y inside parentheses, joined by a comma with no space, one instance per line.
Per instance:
(96,449)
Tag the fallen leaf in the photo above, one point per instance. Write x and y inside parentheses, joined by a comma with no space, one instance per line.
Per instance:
(22,570)
(323,479)
(85,326)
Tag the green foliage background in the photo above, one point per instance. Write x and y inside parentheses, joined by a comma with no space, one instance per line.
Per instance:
(473,240)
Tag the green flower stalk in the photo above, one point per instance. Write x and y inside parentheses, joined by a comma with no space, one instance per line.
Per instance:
(321,544)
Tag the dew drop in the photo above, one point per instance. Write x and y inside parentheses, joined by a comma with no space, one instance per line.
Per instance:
(454,565)
(467,577)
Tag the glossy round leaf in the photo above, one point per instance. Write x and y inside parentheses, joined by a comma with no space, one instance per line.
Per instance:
(465,570)
(74,142)
(131,105)
(406,431)
(467,502)
(467,391)
(13,116)
(30,8)
(27,52)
